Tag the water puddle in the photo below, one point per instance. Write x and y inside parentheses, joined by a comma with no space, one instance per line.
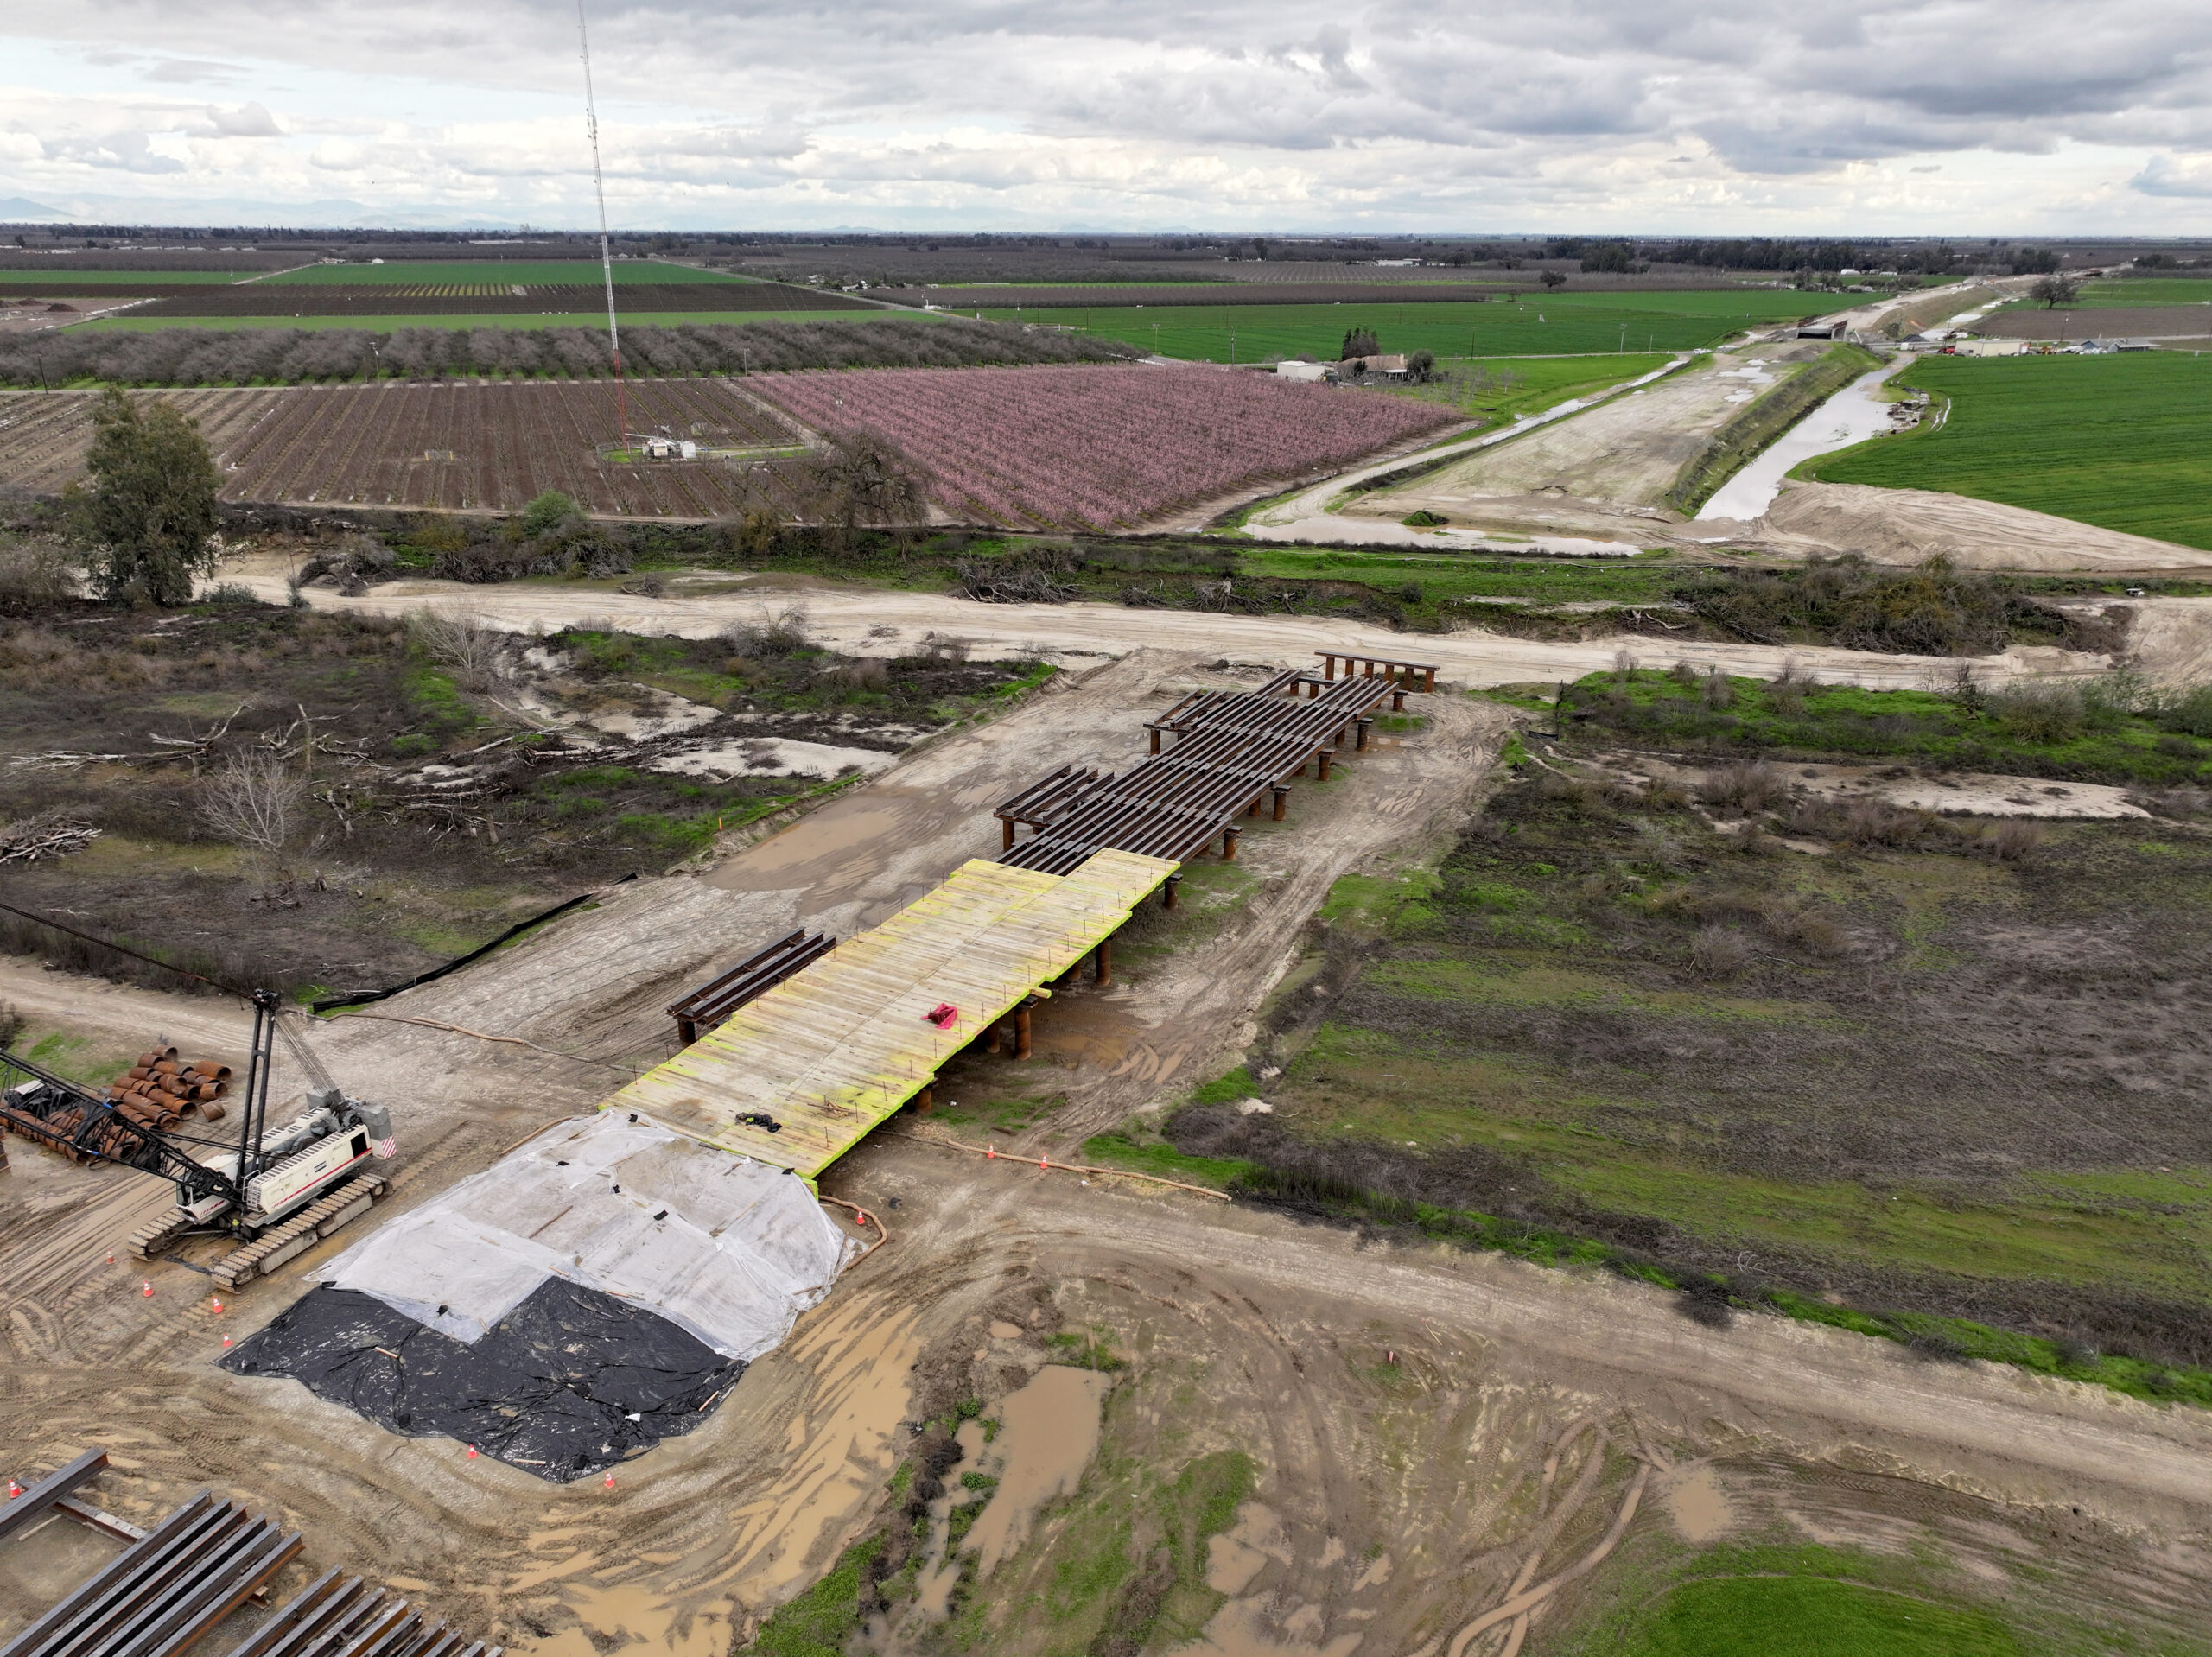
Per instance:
(1236,1556)
(1852,416)
(1047,1434)
(1698,1506)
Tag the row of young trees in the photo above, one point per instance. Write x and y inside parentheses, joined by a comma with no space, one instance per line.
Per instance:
(293,356)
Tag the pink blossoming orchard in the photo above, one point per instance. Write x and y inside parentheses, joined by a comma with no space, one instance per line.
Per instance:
(1085,446)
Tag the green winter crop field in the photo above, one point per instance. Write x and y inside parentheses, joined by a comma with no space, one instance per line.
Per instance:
(2122,441)
(1503,389)
(1536,324)
(2150,290)
(528,273)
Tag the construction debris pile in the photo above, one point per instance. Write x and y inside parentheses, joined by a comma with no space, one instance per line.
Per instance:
(160,1090)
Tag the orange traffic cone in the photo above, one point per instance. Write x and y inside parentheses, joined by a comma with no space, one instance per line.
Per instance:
(226,1344)
(472,1452)
(218,1307)
(13,1489)
(610,1481)
(147,1289)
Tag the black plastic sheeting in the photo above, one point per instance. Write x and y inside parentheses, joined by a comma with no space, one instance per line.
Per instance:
(570,1382)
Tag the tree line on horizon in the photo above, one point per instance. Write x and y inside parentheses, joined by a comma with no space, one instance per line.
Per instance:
(187,356)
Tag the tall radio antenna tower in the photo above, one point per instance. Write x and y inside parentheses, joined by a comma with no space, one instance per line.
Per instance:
(605,253)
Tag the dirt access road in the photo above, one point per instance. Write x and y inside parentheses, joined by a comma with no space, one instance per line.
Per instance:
(1288,1328)
(863,622)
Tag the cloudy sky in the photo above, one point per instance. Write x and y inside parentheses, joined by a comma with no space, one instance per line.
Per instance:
(1961,116)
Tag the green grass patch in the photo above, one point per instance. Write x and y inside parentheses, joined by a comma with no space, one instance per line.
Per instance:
(1539,1058)
(2124,442)
(1813,1617)
(1121,1149)
(1534,324)
(820,1621)
(2088,737)
(1380,902)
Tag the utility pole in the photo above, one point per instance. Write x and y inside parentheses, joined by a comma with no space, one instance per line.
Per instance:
(605,253)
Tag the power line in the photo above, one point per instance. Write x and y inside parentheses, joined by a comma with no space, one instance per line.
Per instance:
(136,955)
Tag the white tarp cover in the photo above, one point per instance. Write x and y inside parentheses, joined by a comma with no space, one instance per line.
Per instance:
(730,1249)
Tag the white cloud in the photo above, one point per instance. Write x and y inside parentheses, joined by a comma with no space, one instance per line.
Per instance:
(247,121)
(2175,175)
(1641,115)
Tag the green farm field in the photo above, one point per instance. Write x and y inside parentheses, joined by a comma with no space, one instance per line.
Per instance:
(1502,389)
(1550,324)
(2151,290)
(526,272)
(507,320)
(2121,441)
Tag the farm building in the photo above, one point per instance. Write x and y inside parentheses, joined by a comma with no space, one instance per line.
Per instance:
(1392,366)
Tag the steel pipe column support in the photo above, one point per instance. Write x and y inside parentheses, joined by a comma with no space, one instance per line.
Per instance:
(1006,841)
(1326,755)
(1167,899)
(1282,802)
(926,1100)
(1361,726)
(1229,845)
(1021,1026)
(1154,729)
(1397,702)
(1102,962)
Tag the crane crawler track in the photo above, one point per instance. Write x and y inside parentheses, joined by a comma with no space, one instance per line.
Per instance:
(301,1233)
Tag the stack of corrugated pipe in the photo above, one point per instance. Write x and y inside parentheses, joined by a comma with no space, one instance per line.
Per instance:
(160,1090)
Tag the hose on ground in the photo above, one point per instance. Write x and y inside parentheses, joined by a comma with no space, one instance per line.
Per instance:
(1045,1165)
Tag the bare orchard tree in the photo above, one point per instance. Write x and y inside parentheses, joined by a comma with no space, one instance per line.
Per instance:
(2048,291)
(863,478)
(467,646)
(253,801)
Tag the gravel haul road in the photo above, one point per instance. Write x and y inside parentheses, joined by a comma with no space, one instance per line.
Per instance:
(861,622)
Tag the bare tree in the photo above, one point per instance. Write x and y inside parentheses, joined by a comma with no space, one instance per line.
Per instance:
(862,477)
(252,802)
(467,646)
(2048,291)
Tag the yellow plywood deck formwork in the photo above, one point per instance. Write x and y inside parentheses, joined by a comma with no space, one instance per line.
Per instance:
(833,1051)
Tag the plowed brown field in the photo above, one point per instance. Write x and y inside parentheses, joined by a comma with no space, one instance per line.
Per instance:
(481,445)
